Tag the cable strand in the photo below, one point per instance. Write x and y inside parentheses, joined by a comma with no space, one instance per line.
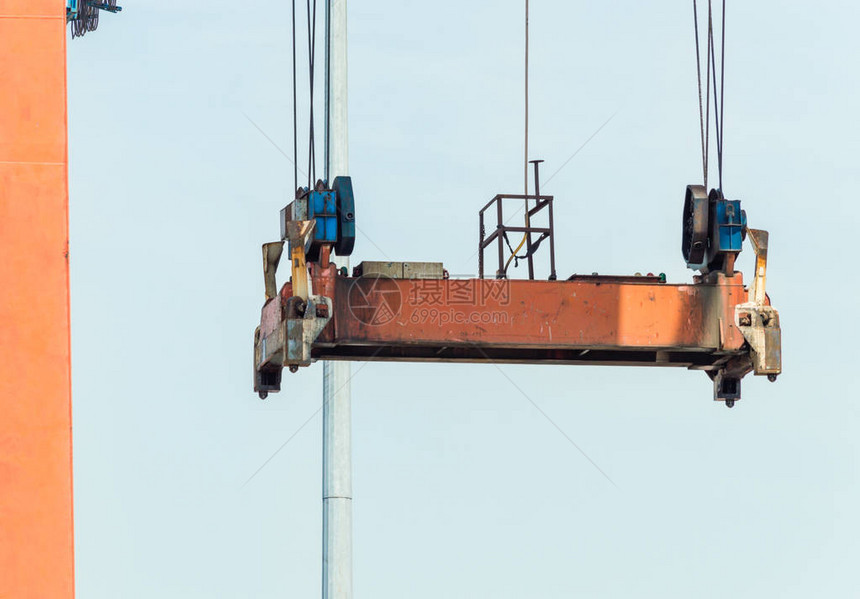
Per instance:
(699,82)
(312,27)
(295,111)
(717,114)
(513,256)
(722,92)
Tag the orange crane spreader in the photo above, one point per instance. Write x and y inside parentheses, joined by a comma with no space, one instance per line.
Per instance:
(413,311)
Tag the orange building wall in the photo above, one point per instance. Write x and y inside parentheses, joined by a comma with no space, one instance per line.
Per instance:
(36,536)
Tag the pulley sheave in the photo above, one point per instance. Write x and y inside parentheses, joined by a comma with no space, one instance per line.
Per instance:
(694,238)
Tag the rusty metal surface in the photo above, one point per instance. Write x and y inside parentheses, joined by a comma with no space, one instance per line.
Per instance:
(648,279)
(371,268)
(401,270)
(760,327)
(539,314)
(271,334)
(423,270)
(594,320)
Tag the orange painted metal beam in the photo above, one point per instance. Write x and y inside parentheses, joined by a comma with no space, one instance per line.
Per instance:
(593,320)
(36,524)
(538,314)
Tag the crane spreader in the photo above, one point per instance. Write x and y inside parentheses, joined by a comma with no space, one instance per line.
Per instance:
(414,311)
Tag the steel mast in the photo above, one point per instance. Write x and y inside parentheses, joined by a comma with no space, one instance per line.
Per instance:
(337,424)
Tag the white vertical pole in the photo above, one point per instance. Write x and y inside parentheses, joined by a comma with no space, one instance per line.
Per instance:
(337,419)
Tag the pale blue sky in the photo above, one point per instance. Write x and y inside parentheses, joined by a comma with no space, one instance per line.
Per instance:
(462,489)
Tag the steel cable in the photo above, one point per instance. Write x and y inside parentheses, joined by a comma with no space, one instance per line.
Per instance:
(722,92)
(312,29)
(699,81)
(295,111)
(311,26)
(711,83)
(513,257)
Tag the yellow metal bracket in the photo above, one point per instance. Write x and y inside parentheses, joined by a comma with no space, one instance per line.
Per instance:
(299,235)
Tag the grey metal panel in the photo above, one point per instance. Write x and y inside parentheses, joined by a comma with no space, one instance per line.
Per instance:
(423,270)
(403,270)
(393,270)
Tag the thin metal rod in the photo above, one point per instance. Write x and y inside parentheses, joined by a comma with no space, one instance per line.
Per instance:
(500,274)
(528,218)
(529,246)
(552,273)
(337,415)
(481,244)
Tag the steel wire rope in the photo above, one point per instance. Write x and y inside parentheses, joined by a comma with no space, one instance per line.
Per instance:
(513,255)
(711,84)
(699,82)
(295,111)
(722,93)
(312,31)
(311,27)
